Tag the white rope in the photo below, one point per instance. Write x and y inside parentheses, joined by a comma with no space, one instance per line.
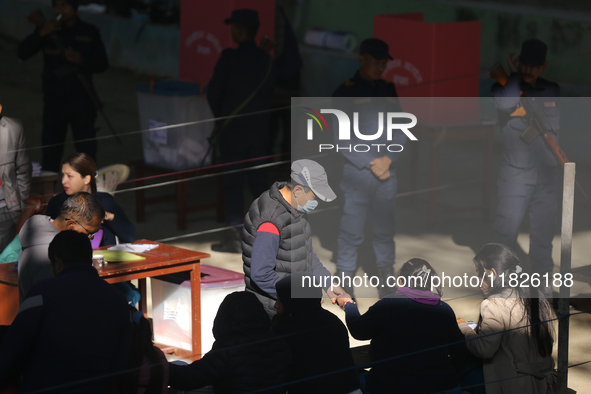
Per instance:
(215,230)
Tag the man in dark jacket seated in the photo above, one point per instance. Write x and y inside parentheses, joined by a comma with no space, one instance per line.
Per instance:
(246,356)
(312,332)
(81,212)
(72,334)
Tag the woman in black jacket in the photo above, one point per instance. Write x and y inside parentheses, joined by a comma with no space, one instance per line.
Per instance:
(413,334)
(78,175)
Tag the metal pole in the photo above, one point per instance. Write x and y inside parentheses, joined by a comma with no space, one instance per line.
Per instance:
(568,194)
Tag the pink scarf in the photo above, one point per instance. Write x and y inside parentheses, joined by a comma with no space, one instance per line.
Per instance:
(96,241)
(422,296)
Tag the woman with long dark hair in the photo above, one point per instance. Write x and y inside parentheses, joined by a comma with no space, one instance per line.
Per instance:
(78,175)
(514,334)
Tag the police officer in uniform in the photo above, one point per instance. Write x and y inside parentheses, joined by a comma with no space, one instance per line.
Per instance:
(242,82)
(369,181)
(528,174)
(72,52)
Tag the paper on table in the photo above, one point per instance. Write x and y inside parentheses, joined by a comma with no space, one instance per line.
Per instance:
(117,256)
(135,248)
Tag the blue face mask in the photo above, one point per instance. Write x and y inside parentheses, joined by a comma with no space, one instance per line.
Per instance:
(308,206)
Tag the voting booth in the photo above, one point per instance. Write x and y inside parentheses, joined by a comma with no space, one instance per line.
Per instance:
(432,60)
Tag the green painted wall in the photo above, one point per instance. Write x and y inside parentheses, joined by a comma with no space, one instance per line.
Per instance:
(569,41)
(357,15)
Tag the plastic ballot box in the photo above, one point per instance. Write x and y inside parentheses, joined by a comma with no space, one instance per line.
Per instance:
(171,305)
(432,60)
(203,34)
(170,103)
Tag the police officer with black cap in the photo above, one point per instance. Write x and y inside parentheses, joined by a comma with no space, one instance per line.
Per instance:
(242,83)
(528,173)
(72,51)
(369,180)
(367,81)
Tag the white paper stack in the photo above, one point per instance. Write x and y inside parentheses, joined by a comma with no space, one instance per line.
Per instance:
(134,248)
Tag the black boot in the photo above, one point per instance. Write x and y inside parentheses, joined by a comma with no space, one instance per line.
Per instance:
(346,281)
(384,289)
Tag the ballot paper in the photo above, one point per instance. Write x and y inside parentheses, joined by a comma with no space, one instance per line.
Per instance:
(134,248)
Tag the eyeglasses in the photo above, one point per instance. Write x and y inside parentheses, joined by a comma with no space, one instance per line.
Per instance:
(90,235)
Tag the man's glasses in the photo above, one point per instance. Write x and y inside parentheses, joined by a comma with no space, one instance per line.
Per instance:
(90,235)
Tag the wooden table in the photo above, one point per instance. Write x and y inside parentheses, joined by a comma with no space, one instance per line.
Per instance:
(8,293)
(441,133)
(164,259)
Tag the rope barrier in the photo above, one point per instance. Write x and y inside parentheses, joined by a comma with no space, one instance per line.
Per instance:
(371,364)
(261,166)
(167,127)
(451,343)
(316,211)
(211,167)
(188,171)
(399,195)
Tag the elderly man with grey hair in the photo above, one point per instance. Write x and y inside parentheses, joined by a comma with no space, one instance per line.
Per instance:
(81,213)
(277,238)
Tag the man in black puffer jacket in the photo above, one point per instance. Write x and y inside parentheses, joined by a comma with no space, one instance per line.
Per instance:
(277,239)
(246,356)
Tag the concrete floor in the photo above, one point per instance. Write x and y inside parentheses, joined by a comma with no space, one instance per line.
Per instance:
(449,245)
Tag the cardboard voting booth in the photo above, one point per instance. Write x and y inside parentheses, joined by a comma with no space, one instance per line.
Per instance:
(432,60)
